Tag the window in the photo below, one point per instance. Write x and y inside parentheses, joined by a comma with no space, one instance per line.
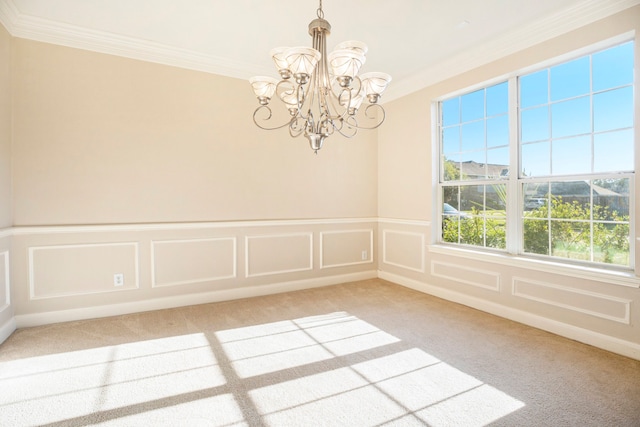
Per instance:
(474,166)
(559,184)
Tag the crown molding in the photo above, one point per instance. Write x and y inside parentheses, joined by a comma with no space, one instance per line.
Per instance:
(521,38)
(48,31)
(34,28)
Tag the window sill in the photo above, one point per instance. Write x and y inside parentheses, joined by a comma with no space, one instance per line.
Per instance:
(615,277)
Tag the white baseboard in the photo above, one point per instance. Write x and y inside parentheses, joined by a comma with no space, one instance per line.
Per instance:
(596,339)
(37,319)
(7,328)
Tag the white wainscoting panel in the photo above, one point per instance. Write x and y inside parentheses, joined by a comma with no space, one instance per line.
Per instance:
(5,281)
(183,262)
(278,253)
(480,278)
(403,249)
(66,270)
(346,247)
(582,301)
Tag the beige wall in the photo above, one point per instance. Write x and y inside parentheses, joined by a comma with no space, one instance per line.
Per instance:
(100,139)
(5,129)
(7,324)
(159,174)
(600,308)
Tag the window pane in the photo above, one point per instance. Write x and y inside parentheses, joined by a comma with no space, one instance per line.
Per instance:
(450,215)
(472,204)
(571,200)
(471,197)
(496,200)
(473,106)
(451,111)
(571,155)
(534,124)
(497,99)
(450,196)
(536,236)
(498,131)
(536,159)
(451,140)
(611,199)
(571,239)
(473,136)
(611,243)
(451,167)
(496,232)
(536,199)
(613,67)
(450,229)
(533,89)
(613,109)
(474,165)
(613,151)
(571,117)
(498,163)
(571,79)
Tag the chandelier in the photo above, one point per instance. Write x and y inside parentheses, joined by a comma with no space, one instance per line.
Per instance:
(323,94)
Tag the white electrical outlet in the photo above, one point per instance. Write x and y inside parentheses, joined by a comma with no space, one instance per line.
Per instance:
(118,279)
(364,255)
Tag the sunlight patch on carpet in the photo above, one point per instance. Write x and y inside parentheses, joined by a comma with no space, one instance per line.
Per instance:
(261,349)
(333,369)
(65,386)
(409,386)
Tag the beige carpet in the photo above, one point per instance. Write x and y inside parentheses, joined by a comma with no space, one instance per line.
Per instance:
(369,353)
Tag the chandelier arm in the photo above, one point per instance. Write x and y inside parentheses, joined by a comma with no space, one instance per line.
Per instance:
(348,127)
(305,100)
(262,108)
(337,107)
(295,129)
(379,120)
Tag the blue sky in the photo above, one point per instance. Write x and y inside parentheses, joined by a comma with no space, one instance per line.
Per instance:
(560,107)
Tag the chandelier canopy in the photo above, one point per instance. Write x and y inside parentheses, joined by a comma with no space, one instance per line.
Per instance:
(323,94)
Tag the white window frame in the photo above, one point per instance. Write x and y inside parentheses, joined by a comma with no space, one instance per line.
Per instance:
(514,209)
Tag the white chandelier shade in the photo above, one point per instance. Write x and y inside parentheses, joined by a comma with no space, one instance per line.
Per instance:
(322,93)
(263,87)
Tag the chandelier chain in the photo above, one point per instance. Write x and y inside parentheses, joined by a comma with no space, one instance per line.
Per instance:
(320,12)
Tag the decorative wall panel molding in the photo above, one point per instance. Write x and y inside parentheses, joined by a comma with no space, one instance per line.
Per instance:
(278,254)
(113,228)
(578,333)
(403,249)
(612,277)
(346,247)
(69,270)
(190,261)
(480,278)
(410,222)
(581,301)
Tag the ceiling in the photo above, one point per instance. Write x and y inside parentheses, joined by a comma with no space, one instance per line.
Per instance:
(418,42)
